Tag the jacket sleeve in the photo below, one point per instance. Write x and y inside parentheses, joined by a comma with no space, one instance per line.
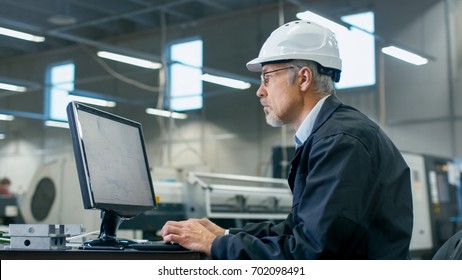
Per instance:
(266,228)
(335,197)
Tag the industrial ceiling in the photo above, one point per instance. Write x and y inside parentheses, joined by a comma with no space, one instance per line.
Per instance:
(67,22)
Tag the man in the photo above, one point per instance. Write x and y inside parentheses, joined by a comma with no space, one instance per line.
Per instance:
(5,187)
(351,187)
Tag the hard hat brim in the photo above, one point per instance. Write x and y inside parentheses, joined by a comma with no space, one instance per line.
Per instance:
(255,65)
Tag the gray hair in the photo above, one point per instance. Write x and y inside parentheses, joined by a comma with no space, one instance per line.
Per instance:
(322,83)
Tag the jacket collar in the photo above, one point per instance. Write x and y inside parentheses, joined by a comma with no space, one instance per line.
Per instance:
(330,105)
(328,108)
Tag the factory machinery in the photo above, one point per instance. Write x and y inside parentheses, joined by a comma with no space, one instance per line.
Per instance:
(232,200)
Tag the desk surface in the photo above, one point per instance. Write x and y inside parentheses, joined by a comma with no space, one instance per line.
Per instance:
(76,254)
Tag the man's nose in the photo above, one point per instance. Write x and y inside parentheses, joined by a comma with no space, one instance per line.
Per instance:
(261,91)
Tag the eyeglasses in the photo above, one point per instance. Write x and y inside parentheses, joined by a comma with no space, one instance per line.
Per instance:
(265,79)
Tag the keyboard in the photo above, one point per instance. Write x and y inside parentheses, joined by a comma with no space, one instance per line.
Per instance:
(157,246)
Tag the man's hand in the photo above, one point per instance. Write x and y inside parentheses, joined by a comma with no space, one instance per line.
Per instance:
(213,228)
(193,234)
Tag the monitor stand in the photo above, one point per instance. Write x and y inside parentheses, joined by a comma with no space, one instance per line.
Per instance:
(107,235)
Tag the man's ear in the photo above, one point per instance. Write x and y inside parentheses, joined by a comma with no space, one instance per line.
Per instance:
(306,80)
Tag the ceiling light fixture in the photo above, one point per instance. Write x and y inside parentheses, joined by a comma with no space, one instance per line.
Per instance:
(130,60)
(228,82)
(167,114)
(21,35)
(6,117)
(405,55)
(93,101)
(12,87)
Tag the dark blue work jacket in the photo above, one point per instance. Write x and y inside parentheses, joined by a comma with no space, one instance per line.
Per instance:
(351,197)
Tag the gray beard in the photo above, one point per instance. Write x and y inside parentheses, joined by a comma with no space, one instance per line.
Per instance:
(273,121)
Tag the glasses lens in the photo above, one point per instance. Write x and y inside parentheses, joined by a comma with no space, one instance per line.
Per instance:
(265,79)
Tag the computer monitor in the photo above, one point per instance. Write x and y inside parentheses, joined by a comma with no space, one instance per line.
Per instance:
(112,167)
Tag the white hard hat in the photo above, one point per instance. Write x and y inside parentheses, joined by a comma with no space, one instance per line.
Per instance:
(299,40)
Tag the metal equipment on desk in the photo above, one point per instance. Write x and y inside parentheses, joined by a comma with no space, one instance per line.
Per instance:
(41,236)
(226,196)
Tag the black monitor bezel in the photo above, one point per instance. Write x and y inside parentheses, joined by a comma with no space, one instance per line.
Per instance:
(125,211)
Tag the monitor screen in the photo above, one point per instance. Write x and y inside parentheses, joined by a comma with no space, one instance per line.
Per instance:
(112,165)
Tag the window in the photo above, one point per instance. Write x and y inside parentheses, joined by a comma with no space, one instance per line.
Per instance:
(357,50)
(185,71)
(59,82)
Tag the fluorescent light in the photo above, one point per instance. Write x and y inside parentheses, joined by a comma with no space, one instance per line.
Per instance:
(93,101)
(21,35)
(2,136)
(312,17)
(405,55)
(228,82)
(6,117)
(57,124)
(167,114)
(12,87)
(130,60)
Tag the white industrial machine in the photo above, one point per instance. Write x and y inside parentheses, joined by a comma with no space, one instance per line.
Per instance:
(224,196)
(422,231)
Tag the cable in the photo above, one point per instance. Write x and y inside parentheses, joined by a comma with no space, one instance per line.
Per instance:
(96,232)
